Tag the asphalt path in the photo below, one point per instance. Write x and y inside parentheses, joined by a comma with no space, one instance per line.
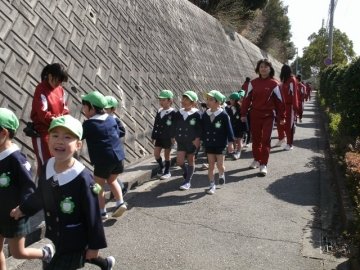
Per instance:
(251,222)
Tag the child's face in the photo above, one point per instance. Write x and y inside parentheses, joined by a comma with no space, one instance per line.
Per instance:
(232,102)
(63,143)
(54,82)
(264,70)
(3,136)
(212,103)
(110,111)
(186,103)
(88,112)
(165,103)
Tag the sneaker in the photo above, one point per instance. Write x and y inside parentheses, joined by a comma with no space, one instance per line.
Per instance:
(111,262)
(120,209)
(234,156)
(221,179)
(185,186)
(205,165)
(263,170)
(238,154)
(288,147)
(48,251)
(160,172)
(104,215)
(280,142)
(165,176)
(246,146)
(212,189)
(255,164)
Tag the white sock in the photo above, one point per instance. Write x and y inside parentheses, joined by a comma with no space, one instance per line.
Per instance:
(119,203)
(102,211)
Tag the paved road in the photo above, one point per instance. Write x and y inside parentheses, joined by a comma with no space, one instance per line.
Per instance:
(252,222)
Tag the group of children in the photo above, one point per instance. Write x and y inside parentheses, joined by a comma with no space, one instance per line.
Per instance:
(70,195)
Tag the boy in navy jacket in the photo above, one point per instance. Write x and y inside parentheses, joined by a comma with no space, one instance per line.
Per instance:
(68,194)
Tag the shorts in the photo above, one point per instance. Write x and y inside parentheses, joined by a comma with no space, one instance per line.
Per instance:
(239,133)
(215,150)
(187,147)
(67,260)
(11,228)
(104,171)
(163,143)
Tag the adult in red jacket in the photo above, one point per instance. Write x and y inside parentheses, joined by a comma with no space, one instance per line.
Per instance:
(301,97)
(267,102)
(48,103)
(289,92)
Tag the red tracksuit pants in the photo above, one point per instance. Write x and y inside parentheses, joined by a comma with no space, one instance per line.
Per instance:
(41,149)
(261,129)
(288,128)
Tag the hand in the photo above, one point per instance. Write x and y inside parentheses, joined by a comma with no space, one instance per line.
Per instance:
(92,254)
(242,119)
(173,141)
(16,213)
(153,141)
(282,122)
(196,142)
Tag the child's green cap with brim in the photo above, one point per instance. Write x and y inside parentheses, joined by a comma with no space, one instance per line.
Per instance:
(95,98)
(111,102)
(215,94)
(191,95)
(235,96)
(166,94)
(241,93)
(68,122)
(8,119)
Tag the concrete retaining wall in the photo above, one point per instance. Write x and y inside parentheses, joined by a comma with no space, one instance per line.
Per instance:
(128,48)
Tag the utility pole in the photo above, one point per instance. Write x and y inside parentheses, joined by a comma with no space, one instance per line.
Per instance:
(297,62)
(331,28)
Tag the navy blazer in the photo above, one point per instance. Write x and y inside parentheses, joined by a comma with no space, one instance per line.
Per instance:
(163,125)
(102,138)
(219,132)
(187,130)
(79,228)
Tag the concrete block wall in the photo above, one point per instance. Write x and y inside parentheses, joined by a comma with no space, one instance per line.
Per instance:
(130,49)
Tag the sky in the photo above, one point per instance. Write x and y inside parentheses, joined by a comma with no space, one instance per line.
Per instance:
(306,18)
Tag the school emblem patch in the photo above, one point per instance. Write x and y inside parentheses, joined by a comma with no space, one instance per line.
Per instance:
(4,180)
(67,206)
(218,124)
(168,122)
(96,188)
(193,122)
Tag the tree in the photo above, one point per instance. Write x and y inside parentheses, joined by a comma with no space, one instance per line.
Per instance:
(315,54)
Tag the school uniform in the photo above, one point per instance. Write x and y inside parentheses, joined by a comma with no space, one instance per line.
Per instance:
(266,102)
(163,125)
(301,98)
(290,94)
(71,210)
(47,103)
(216,133)
(237,125)
(16,185)
(121,127)
(186,128)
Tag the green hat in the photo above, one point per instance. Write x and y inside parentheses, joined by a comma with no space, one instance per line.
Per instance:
(241,93)
(235,96)
(217,95)
(8,119)
(96,99)
(191,95)
(69,122)
(166,94)
(111,102)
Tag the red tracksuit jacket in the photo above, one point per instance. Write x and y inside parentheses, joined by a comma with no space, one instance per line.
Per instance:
(290,92)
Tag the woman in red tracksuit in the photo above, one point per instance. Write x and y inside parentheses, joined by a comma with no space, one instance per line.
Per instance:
(48,103)
(267,102)
(301,97)
(289,92)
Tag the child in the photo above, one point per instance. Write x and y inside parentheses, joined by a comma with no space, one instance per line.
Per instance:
(110,109)
(161,134)
(289,92)
(217,133)
(68,194)
(48,103)
(237,125)
(105,149)
(301,97)
(16,185)
(186,133)
(266,99)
